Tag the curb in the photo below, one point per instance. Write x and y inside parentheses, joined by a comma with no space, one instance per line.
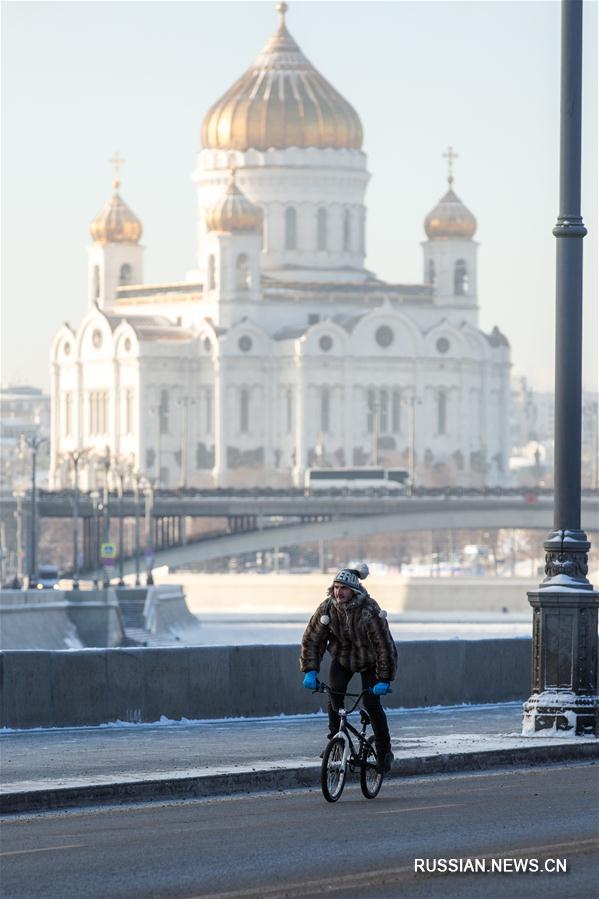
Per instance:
(271,779)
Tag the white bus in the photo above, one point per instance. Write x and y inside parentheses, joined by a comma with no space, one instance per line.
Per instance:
(366,481)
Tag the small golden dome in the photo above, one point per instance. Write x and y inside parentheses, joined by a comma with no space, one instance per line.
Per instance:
(450,219)
(233,212)
(281,101)
(116,223)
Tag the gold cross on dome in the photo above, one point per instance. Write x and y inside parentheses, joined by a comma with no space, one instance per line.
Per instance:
(117,161)
(450,156)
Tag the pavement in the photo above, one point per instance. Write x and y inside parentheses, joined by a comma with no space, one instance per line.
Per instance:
(118,763)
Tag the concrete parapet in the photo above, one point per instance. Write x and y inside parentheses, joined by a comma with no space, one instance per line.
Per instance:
(142,684)
(59,619)
(166,611)
(36,619)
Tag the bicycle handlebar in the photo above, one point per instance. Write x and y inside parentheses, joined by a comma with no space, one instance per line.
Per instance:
(321,687)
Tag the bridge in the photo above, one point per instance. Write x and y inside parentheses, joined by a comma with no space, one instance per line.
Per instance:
(348,517)
(250,523)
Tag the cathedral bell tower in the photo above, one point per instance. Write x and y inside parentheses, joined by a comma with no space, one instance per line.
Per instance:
(233,237)
(450,252)
(115,257)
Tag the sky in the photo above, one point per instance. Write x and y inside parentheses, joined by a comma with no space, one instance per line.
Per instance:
(81,80)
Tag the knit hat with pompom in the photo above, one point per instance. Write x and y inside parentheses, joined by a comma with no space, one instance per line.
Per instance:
(351,577)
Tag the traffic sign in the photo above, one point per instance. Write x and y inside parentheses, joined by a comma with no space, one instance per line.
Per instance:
(108,553)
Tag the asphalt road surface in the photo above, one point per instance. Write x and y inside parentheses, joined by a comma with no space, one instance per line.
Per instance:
(296,845)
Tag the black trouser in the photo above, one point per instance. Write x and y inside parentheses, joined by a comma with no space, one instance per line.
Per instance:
(339,678)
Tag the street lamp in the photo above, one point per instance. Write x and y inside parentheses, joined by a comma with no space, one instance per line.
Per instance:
(75,457)
(138,479)
(105,463)
(565,606)
(33,443)
(120,471)
(149,551)
(20,551)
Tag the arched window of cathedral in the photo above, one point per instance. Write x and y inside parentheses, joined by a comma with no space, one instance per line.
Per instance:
(128,410)
(68,414)
(125,274)
(322,229)
(91,413)
(460,279)
(431,272)
(290,228)
(346,231)
(208,411)
(370,410)
(163,411)
(325,410)
(211,273)
(396,412)
(244,410)
(289,409)
(242,272)
(442,412)
(384,411)
(96,282)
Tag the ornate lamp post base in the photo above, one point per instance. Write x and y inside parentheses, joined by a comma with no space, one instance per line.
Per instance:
(561,710)
(564,654)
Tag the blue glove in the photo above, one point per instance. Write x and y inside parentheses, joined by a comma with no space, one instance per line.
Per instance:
(381,688)
(310,680)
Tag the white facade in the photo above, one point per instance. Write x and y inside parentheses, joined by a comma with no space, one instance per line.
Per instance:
(280,350)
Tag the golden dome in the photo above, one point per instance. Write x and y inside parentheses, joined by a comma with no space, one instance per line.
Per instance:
(450,219)
(233,212)
(116,223)
(281,101)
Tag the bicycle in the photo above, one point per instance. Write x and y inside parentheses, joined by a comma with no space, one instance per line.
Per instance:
(340,754)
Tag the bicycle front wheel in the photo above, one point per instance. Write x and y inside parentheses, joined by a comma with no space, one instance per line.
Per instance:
(370,778)
(333,770)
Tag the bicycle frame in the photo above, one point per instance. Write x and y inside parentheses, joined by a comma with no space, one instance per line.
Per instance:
(350,756)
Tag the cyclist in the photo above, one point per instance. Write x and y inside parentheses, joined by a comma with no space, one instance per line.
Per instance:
(354,629)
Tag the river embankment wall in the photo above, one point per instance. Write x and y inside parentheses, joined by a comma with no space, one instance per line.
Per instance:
(285,593)
(90,687)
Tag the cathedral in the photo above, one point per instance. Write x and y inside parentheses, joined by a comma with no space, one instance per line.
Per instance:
(280,350)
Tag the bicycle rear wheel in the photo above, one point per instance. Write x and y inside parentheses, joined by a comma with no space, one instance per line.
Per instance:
(370,778)
(333,770)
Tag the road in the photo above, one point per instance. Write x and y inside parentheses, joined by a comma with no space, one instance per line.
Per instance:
(295,845)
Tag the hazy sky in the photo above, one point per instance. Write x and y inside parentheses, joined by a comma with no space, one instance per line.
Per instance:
(81,80)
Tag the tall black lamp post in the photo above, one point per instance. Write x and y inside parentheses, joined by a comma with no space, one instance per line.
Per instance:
(105,462)
(138,478)
(149,550)
(121,470)
(564,677)
(75,458)
(33,443)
